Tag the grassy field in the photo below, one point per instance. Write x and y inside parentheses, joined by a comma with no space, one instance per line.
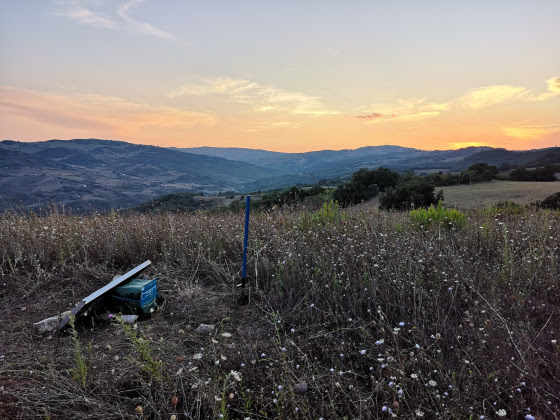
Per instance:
(352,314)
(482,194)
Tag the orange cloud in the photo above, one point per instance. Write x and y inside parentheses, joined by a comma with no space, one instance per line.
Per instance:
(531,132)
(261,98)
(491,95)
(95,112)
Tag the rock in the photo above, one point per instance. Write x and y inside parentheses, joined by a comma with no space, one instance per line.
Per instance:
(204,329)
(129,319)
(301,387)
(49,324)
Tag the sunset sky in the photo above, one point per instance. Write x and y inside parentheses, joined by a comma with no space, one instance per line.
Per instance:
(289,76)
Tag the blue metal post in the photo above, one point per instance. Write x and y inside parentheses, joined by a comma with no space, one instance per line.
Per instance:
(245,239)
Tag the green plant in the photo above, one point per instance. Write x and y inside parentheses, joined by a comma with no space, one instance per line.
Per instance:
(440,216)
(80,371)
(152,366)
(328,214)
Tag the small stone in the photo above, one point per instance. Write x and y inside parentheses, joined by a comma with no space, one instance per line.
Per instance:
(181,333)
(301,387)
(204,329)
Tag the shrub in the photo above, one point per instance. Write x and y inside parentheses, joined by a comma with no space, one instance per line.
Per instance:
(504,207)
(543,174)
(551,202)
(414,193)
(328,214)
(440,216)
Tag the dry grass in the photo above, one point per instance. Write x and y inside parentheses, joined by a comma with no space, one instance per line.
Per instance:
(376,317)
(482,194)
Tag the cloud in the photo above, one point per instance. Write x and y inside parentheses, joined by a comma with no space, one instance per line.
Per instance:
(554,84)
(81,11)
(83,15)
(491,95)
(274,125)
(372,116)
(262,98)
(531,132)
(418,116)
(553,90)
(475,99)
(141,27)
(405,109)
(95,112)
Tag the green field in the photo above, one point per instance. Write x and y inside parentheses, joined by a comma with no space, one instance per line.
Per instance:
(481,194)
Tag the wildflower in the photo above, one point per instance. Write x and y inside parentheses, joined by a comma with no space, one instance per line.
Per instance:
(401,324)
(379,342)
(413,375)
(263,355)
(501,412)
(292,330)
(432,383)
(236,375)
(419,413)
(391,383)
(362,352)
(226,335)
(529,417)
(197,356)
(384,408)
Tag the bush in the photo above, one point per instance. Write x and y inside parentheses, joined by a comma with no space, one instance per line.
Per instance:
(414,193)
(504,207)
(365,184)
(552,202)
(543,174)
(447,218)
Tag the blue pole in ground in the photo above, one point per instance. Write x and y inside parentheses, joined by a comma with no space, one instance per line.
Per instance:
(245,239)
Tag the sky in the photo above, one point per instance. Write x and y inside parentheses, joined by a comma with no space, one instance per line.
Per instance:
(290,76)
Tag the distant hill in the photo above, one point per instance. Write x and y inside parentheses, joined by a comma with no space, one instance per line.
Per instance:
(103,174)
(531,158)
(335,163)
(111,174)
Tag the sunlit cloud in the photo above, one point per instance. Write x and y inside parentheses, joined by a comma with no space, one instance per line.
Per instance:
(262,126)
(142,27)
(553,90)
(76,11)
(531,132)
(404,110)
(491,95)
(554,84)
(95,112)
(418,116)
(261,98)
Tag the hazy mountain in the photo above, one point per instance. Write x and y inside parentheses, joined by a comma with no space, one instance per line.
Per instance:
(88,173)
(111,174)
(334,163)
(535,157)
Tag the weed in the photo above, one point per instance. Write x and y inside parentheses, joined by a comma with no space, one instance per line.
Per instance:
(439,216)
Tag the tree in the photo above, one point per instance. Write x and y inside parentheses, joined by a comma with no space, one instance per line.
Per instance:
(414,193)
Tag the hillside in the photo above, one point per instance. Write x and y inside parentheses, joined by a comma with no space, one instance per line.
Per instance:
(335,163)
(111,174)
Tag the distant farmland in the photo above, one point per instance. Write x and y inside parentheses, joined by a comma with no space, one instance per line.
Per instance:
(479,195)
